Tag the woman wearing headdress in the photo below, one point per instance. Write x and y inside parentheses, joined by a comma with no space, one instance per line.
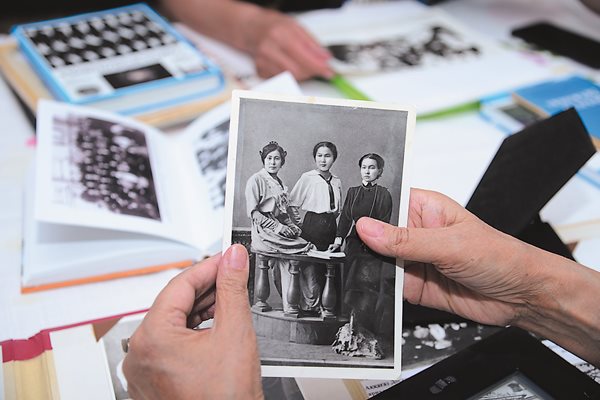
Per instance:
(273,230)
(318,193)
(367,281)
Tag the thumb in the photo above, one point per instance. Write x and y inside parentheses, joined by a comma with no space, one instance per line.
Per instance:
(232,307)
(414,244)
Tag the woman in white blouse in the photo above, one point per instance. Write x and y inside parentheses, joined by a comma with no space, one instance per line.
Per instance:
(318,194)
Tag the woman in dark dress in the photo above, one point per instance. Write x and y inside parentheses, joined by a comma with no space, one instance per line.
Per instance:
(369,284)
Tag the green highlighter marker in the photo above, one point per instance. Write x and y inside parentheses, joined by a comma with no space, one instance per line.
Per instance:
(347,89)
(351,92)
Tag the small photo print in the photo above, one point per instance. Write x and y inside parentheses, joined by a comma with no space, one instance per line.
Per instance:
(102,165)
(301,172)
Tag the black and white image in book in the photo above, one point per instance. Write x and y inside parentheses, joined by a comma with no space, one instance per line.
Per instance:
(301,172)
(211,153)
(102,164)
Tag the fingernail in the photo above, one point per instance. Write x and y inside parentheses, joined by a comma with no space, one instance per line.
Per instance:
(372,227)
(237,257)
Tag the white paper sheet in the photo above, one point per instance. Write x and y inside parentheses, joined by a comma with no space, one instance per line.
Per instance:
(449,64)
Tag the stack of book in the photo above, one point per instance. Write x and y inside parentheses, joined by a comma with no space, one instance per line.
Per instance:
(127,60)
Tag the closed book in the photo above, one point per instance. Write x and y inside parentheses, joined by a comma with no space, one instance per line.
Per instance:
(128,60)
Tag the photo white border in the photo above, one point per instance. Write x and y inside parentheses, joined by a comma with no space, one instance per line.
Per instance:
(328,372)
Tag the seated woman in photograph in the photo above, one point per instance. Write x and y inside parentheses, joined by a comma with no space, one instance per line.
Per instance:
(273,230)
(318,193)
(369,285)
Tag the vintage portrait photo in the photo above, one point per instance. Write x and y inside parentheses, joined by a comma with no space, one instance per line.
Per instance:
(301,172)
(102,165)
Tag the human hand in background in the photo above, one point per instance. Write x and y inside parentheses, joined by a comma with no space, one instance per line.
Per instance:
(278,43)
(167,359)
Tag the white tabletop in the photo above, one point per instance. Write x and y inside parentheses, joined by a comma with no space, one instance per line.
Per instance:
(24,315)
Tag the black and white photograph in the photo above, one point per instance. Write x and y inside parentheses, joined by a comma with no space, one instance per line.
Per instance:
(101,36)
(301,172)
(102,165)
(211,153)
(432,44)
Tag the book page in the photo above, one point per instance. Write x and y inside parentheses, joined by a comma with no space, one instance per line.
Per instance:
(97,169)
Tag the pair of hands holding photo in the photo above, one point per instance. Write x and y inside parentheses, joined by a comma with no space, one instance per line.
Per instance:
(460,265)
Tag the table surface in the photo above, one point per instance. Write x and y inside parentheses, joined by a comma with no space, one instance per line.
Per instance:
(24,315)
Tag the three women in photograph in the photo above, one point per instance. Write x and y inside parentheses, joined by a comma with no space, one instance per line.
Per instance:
(307,218)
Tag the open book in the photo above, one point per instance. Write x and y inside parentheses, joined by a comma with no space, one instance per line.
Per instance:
(111,196)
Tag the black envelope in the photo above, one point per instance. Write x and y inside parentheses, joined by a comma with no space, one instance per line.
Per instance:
(526,172)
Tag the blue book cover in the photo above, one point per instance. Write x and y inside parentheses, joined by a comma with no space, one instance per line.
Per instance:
(128,59)
(550,97)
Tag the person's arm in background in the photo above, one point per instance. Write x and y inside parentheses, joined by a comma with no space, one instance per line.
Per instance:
(485,275)
(275,41)
(169,360)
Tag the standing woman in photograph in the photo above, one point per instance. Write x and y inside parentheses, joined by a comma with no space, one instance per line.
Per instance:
(366,283)
(318,193)
(273,230)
